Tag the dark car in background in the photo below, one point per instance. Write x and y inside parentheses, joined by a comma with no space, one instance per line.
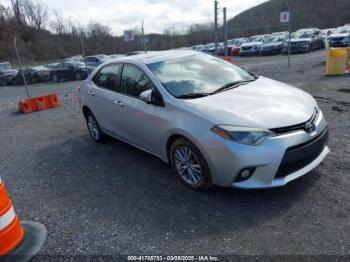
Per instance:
(70,71)
(95,60)
(340,37)
(6,76)
(32,75)
(274,47)
(304,41)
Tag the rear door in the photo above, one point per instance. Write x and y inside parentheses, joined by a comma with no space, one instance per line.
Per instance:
(103,98)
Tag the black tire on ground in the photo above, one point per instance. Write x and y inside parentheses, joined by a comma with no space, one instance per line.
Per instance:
(55,78)
(205,177)
(94,129)
(78,76)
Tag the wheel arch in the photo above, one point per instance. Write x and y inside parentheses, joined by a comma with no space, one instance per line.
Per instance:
(86,109)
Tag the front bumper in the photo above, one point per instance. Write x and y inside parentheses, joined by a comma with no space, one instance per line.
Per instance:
(227,159)
(270,51)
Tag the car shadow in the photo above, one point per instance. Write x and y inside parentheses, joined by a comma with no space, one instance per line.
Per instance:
(116,183)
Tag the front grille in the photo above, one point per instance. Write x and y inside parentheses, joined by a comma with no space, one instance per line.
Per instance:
(301,126)
(298,157)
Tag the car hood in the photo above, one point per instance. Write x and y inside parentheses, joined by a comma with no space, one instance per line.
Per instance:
(272,44)
(251,44)
(301,40)
(264,103)
(337,35)
(9,74)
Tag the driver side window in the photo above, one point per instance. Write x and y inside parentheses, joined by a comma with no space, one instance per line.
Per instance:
(108,78)
(134,81)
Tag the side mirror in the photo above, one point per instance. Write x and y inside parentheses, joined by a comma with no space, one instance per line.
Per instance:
(151,97)
(146,96)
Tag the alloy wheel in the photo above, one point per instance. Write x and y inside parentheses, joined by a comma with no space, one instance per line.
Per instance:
(93,127)
(187,165)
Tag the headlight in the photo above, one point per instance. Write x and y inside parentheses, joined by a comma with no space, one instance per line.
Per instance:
(243,135)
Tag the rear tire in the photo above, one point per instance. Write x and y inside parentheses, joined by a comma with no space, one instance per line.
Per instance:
(94,129)
(55,78)
(189,165)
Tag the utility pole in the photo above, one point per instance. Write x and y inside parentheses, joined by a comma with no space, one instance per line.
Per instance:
(216,26)
(20,67)
(143,39)
(225,32)
(290,32)
(83,52)
(348,54)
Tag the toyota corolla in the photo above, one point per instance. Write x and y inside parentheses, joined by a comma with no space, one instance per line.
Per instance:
(213,122)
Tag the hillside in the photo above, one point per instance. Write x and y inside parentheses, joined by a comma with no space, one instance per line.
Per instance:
(264,18)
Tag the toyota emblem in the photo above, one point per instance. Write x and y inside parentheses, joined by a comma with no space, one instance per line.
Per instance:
(310,127)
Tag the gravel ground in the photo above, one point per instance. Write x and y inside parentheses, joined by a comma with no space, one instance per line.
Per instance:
(115,199)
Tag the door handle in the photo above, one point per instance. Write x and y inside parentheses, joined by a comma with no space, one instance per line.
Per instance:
(119,103)
(90,93)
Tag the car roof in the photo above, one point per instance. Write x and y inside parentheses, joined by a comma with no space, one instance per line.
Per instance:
(155,56)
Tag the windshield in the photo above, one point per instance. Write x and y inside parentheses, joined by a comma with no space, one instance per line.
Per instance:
(77,64)
(255,39)
(342,30)
(197,74)
(304,34)
(277,39)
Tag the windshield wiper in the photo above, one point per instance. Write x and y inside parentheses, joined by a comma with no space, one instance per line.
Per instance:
(194,95)
(232,85)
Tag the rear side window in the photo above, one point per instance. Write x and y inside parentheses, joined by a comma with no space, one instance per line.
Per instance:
(108,78)
(134,81)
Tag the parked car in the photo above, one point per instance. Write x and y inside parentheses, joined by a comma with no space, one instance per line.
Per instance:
(237,45)
(6,73)
(304,41)
(230,44)
(213,122)
(95,60)
(33,75)
(252,46)
(340,37)
(210,48)
(70,71)
(274,46)
(199,48)
(6,76)
(325,34)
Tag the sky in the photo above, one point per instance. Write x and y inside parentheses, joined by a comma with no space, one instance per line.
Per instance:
(158,15)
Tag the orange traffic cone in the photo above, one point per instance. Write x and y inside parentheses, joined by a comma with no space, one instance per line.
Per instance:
(18,241)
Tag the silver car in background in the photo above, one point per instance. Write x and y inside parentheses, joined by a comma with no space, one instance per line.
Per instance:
(213,122)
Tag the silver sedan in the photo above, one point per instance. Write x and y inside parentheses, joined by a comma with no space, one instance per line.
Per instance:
(213,122)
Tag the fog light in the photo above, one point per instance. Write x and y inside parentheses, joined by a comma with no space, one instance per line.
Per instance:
(245,174)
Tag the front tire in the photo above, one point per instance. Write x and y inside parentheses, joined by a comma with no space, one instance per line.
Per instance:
(94,129)
(78,76)
(189,165)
